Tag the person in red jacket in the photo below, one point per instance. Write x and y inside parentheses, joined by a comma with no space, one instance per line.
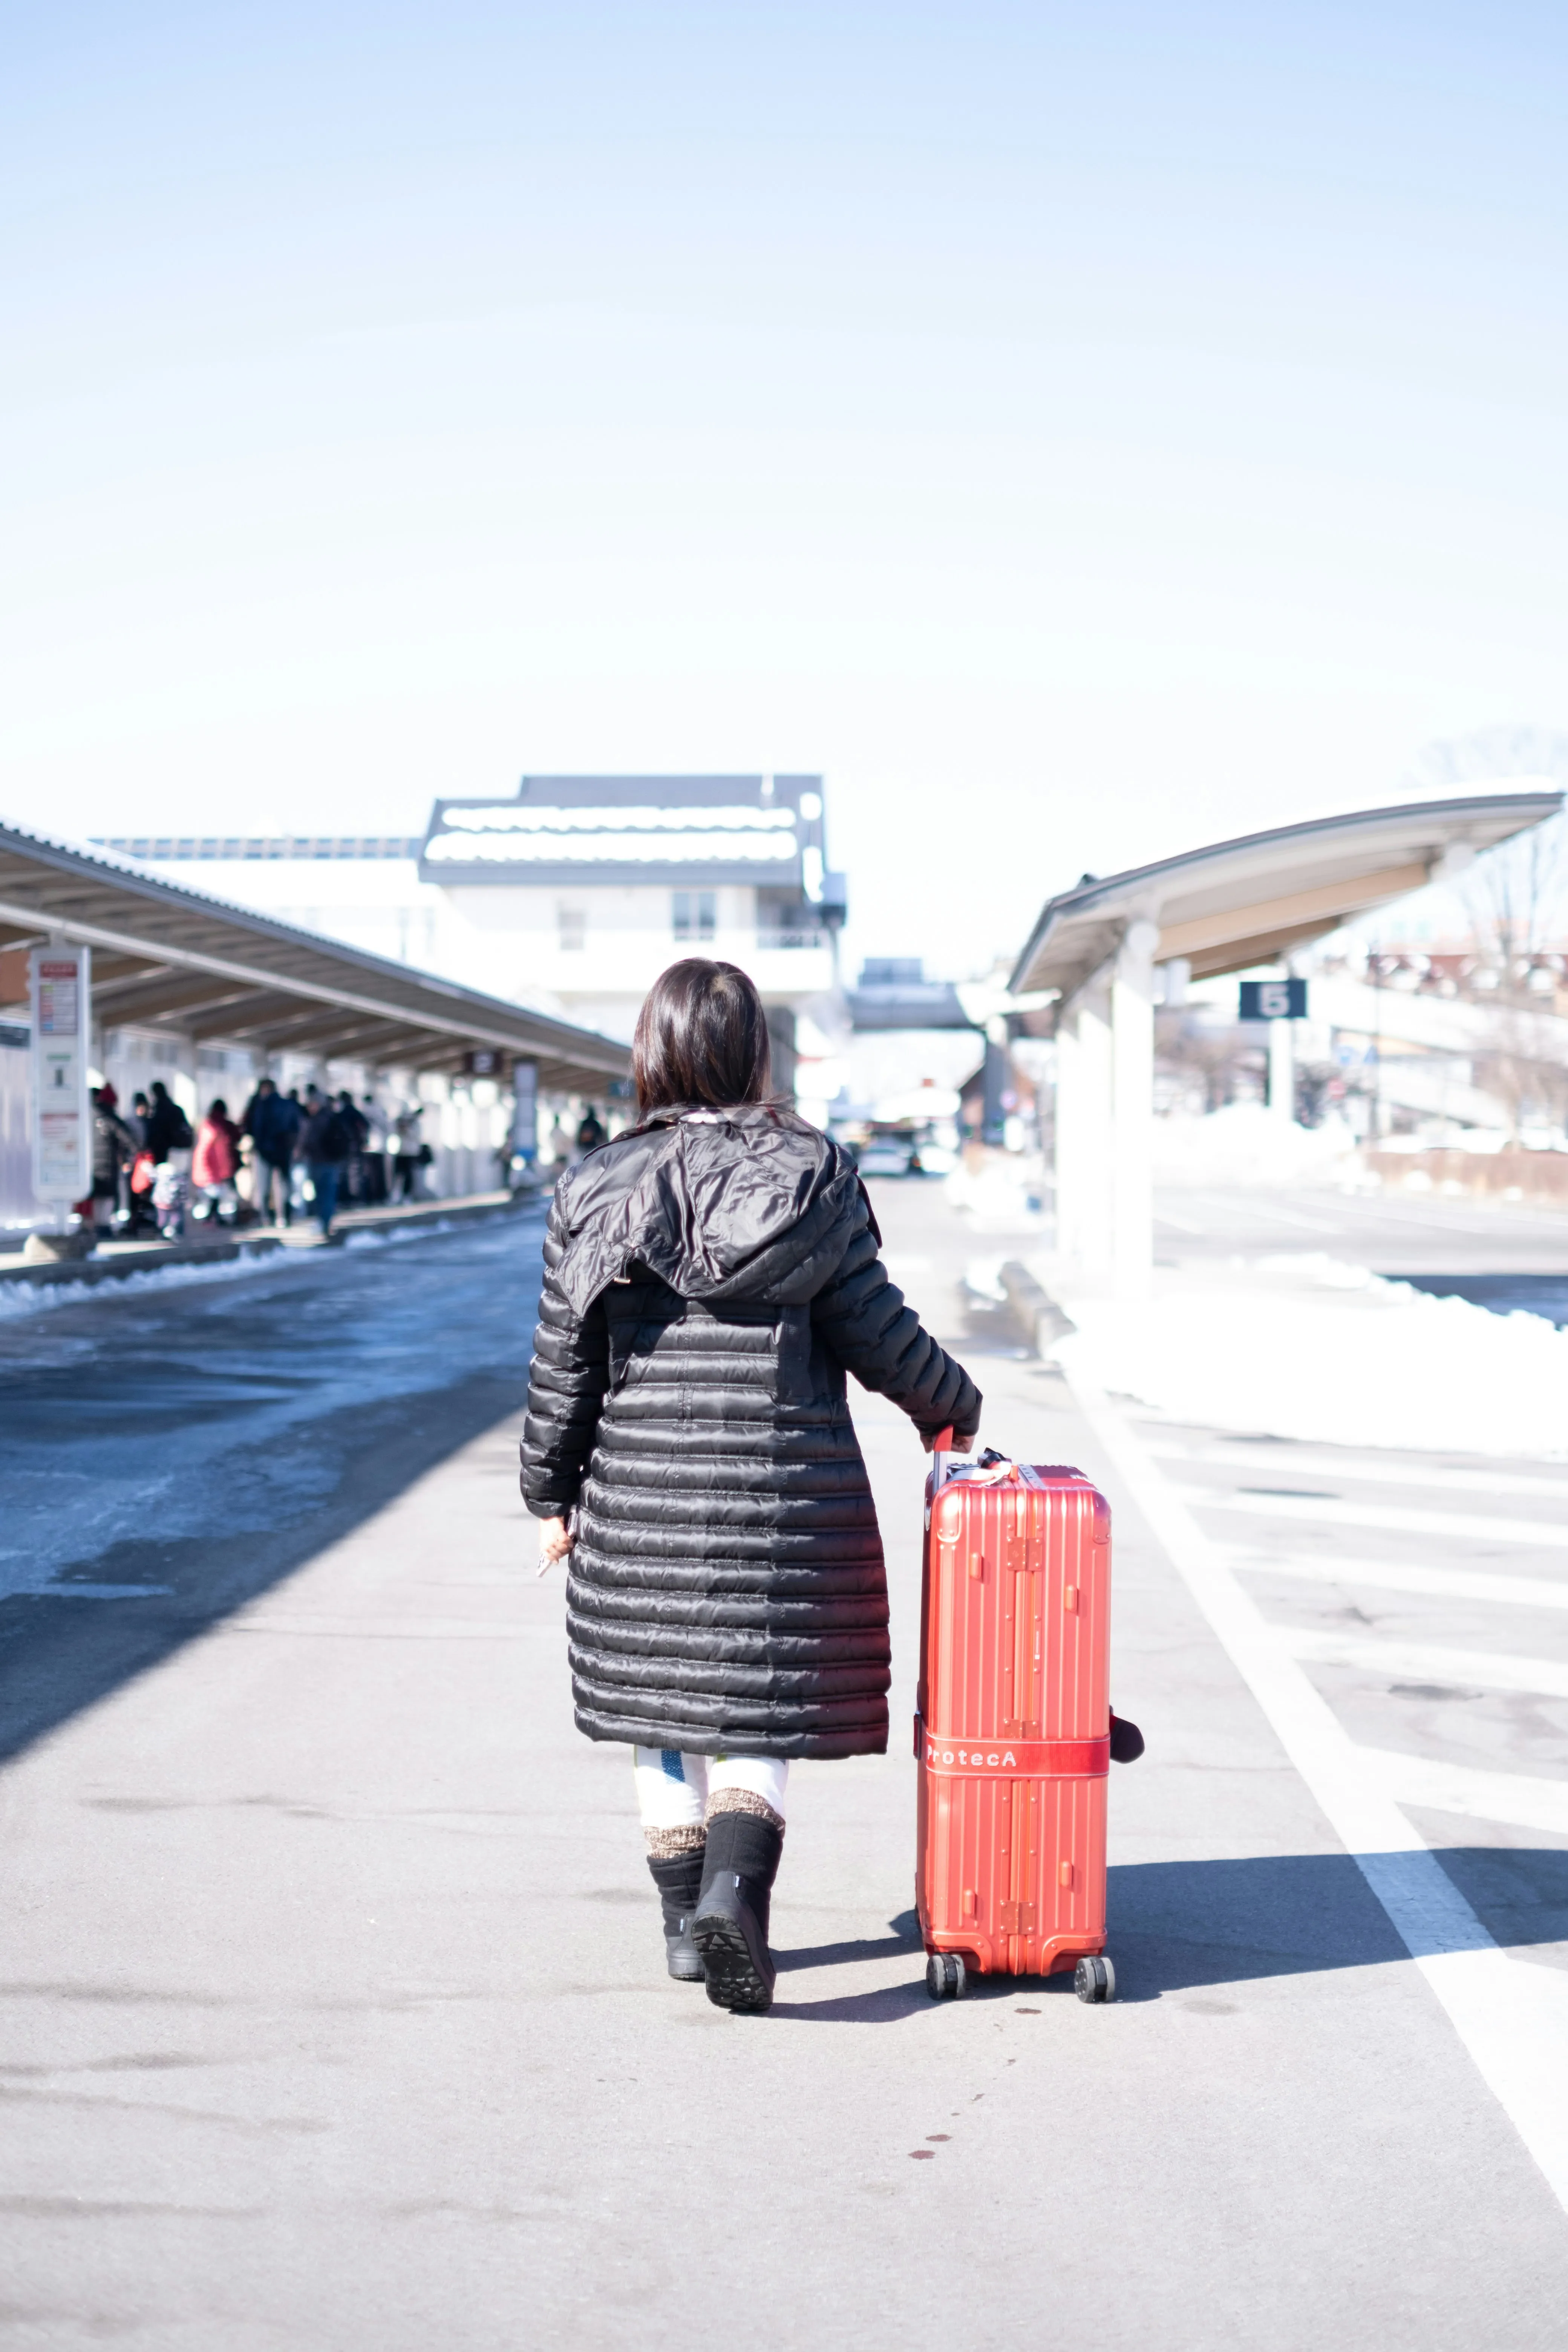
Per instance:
(216,1160)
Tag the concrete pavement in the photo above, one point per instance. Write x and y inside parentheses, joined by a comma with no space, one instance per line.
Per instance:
(333,2009)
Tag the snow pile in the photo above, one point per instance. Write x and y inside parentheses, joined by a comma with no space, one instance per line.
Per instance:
(1246,1144)
(1311,1348)
(983,1279)
(20,1299)
(1004,1196)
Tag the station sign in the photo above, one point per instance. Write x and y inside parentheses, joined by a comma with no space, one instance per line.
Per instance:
(1273,999)
(60,986)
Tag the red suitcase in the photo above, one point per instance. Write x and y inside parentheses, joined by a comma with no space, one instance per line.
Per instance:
(1013,1727)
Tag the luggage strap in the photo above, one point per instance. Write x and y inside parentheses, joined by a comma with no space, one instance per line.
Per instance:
(1014,1759)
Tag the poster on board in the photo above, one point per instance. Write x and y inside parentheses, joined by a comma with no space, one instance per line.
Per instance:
(61,979)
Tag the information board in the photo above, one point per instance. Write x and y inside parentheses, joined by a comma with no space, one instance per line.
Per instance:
(61,981)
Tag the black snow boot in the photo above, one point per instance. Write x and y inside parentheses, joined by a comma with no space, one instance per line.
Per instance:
(679,1879)
(731,1929)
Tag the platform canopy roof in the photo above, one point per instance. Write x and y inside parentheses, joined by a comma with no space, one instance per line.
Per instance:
(1239,903)
(172,958)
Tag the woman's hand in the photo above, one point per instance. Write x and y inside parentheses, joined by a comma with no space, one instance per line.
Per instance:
(555,1541)
(962,1440)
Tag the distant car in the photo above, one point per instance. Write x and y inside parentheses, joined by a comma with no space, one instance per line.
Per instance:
(888,1157)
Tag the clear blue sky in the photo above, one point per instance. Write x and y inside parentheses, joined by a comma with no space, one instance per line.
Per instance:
(1079,433)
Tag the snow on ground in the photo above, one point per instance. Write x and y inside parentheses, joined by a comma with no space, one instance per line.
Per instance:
(1002,1196)
(1308,1347)
(1246,1144)
(21,1299)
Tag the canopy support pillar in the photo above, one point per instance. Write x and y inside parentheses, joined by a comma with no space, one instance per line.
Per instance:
(1133,1046)
(1104,1122)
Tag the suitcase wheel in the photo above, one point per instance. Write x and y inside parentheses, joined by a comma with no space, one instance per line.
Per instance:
(946,1979)
(1094,1980)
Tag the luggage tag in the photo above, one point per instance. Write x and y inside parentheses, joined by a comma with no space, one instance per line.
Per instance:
(992,1469)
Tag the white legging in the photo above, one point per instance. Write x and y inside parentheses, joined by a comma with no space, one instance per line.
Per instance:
(674,1791)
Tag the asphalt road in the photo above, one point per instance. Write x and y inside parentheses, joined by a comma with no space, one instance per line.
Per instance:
(332,2002)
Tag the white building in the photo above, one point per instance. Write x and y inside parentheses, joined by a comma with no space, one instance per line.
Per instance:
(573,894)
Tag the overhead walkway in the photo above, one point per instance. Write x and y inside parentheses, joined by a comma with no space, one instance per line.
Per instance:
(1226,907)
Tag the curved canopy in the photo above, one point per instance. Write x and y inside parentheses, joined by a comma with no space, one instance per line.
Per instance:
(1249,901)
(164,956)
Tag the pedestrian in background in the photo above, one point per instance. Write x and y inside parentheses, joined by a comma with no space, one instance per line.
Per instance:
(113,1150)
(710,1278)
(374,1154)
(356,1183)
(167,1128)
(272,1121)
(592,1132)
(142,1169)
(171,1195)
(325,1141)
(407,1150)
(215,1164)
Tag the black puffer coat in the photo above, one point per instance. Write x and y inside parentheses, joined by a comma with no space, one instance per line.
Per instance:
(709,1280)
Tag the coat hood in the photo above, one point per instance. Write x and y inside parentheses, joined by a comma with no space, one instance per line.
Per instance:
(747,1204)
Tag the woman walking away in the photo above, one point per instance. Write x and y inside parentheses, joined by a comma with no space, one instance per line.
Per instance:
(710,1278)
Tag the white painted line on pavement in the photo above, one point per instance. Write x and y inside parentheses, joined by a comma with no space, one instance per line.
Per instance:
(1394,1576)
(1312,1462)
(1288,1217)
(1512,2019)
(1516,1799)
(1329,1511)
(1425,1662)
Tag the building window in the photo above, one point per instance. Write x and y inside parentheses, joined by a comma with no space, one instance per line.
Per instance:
(696,916)
(571,923)
(787,922)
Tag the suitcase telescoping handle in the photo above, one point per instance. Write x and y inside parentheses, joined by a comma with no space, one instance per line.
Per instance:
(940,1447)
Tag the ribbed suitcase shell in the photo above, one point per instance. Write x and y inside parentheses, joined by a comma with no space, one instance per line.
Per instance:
(1013,1727)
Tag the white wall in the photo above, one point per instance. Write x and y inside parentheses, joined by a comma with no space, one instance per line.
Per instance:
(505,938)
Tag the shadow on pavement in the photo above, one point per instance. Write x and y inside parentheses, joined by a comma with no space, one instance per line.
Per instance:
(885,2007)
(1178,1926)
(60,1653)
(863,1947)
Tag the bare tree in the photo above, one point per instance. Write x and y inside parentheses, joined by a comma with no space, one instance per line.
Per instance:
(1201,1055)
(1517,899)
(1516,894)
(1524,1064)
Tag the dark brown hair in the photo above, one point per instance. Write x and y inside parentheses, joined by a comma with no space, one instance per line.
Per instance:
(701,1038)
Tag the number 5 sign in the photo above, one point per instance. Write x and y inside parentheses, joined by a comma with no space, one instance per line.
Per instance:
(1273,999)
